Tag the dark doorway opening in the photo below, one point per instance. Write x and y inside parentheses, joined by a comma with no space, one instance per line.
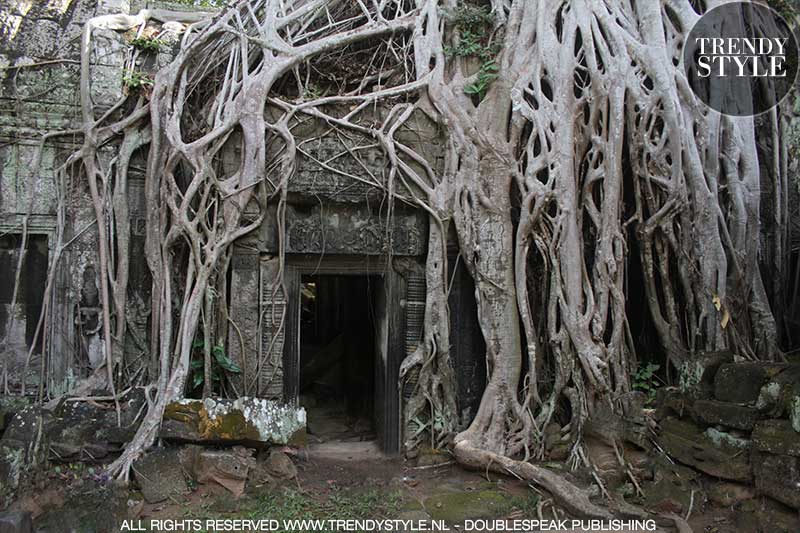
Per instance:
(340,343)
(33,279)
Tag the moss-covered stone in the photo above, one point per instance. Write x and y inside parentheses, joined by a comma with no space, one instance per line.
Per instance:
(696,378)
(742,382)
(776,436)
(716,453)
(456,507)
(248,420)
(778,476)
(726,414)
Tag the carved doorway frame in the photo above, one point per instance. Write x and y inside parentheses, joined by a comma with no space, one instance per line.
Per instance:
(387,390)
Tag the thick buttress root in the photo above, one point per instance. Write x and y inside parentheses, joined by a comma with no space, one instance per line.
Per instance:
(570,497)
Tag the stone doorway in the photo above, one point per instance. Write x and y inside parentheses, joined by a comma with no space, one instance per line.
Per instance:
(345,335)
(341,318)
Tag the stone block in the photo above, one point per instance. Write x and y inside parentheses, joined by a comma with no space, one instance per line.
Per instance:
(671,401)
(245,420)
(727,414)
(718,454)
(697,375)
(228,468)
(742,382)
(776,436)
(280,465)
(16,522)
(778,476)
(160,475)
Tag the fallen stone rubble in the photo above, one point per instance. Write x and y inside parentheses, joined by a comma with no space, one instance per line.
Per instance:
(738,422)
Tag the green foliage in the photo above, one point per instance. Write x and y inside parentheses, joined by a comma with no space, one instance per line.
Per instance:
(646,381)
(220,363)
(312,92)
(137,81)
(474,26)
(788,9)
(291,504)
(486,75)
(147,44)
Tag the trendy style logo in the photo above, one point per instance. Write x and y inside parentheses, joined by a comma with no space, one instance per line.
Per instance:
(741,58)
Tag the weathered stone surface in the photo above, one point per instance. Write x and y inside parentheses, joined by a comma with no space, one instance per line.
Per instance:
(353,230)
(732,415)
(726,494)
(244,420)
(16,522)
(697,375)
(778,476)
(742,382)
(228,468)
(776,436)
(667,495)
(69,431)
(12,465)
(9,406)
(774,517)
(90,509)
(160,475)
(723,457)
(780,396)
(281,466)
(671,401)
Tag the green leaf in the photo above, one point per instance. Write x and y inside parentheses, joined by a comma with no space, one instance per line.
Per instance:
(226,362)
(197,379)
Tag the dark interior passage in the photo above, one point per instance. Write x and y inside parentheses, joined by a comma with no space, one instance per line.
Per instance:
(32,281)
(338,353)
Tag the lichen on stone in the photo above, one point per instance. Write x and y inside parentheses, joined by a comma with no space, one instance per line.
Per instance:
(768,395)
(723,438)
(794,413)
(245,418)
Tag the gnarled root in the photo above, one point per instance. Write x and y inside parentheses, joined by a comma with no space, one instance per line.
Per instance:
(570,497)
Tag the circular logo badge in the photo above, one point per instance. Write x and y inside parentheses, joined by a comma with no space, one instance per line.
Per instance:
(741,58)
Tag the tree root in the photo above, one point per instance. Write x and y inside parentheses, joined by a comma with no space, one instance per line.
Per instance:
(570,497)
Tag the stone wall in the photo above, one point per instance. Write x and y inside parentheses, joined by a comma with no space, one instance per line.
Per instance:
(738,422)
(39,94)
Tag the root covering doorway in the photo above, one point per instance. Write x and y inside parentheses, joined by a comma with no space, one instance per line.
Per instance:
(347,345)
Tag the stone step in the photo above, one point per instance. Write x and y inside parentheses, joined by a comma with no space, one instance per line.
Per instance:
(713,412)
(717,454)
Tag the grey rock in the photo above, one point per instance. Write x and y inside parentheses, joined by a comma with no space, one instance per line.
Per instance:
(732,415)
(16,522)
(245,420)
(160,475)
(697,375)
(742,382)
(776,436)
(719,457)
(281,466)
(228,468)
(778,476)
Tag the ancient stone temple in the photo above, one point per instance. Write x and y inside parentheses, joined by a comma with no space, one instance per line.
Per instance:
(332,336)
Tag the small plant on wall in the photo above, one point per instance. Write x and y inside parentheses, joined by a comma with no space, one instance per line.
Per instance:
(149,45)
(220,365)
